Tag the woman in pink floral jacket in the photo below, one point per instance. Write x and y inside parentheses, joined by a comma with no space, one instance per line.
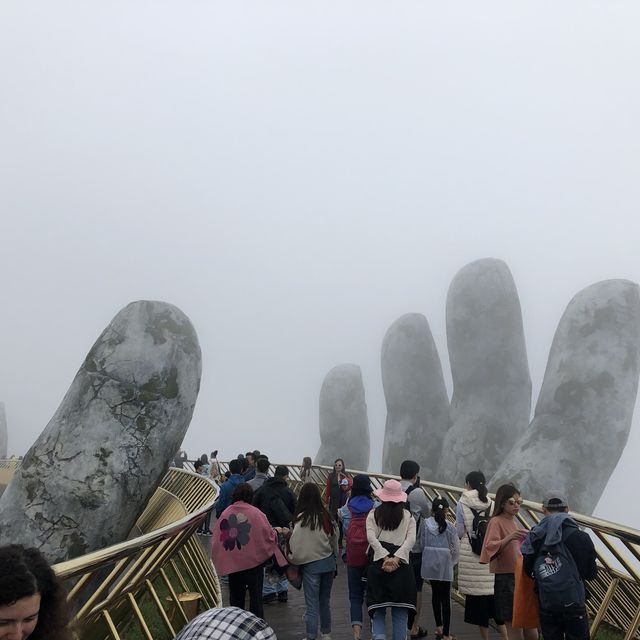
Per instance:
(243,540)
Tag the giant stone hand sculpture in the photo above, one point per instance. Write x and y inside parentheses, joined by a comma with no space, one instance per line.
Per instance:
(584,411)
(85,481)
(344,426)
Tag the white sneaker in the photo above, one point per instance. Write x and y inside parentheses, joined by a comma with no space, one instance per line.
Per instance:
(325,636)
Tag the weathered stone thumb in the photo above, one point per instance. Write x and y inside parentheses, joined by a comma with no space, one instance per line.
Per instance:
(89,475)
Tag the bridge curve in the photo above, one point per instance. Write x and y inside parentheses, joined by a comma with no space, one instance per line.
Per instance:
(136,589)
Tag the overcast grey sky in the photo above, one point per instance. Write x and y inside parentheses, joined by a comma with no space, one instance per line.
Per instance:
(295,176)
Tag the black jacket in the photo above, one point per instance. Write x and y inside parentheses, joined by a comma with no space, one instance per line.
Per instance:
(276,501)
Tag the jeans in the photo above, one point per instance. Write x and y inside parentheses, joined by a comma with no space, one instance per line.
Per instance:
(248,580)
(280,587)
(317,593)
(399,619)
(564,625)
(356,579)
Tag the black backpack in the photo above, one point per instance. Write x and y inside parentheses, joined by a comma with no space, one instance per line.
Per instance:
(478,529)
(558,581)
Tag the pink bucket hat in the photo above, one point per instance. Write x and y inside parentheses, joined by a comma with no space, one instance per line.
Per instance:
(391,492)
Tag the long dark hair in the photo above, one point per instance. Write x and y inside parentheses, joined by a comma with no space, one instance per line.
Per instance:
(24,572)
(503,494)
(477,481)
(310,511)
(305,471)
(389,515)
(333,473)
(439,509)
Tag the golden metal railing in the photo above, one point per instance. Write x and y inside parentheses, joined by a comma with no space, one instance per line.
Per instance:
(133,589)
(130,590)
(615,593)
(7,469)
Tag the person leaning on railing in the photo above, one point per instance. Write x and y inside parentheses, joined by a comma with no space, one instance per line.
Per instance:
(32,599)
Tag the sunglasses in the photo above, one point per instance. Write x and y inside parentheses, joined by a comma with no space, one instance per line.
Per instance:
(513,501)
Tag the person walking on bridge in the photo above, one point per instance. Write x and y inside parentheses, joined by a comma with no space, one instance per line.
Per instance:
(262,468)
(420,509)
(226,488)
(313,545)
(277,502)
(475,580)
(243,540)
(354,523)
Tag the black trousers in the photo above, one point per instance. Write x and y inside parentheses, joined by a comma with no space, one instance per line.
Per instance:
(248,580)
(564,625)
(441,603)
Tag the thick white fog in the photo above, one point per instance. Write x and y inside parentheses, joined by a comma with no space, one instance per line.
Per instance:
(294,177)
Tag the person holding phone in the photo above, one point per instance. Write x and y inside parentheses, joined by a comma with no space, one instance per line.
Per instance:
(501,550)
(337,491)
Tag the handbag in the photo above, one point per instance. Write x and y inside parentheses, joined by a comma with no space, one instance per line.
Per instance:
(293,571)
(294,575)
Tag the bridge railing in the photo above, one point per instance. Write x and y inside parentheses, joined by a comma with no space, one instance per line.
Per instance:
(615,593)
(150,585)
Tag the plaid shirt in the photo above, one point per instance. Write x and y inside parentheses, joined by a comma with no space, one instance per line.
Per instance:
(228,623)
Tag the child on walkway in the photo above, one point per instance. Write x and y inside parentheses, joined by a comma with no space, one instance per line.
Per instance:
(440,551)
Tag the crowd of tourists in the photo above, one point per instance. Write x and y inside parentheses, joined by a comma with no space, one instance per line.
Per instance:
(393,540)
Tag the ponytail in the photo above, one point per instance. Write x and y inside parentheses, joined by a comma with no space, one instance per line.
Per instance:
(477,481)
(439,508)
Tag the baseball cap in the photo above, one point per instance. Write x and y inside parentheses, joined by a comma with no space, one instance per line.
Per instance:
(553,499)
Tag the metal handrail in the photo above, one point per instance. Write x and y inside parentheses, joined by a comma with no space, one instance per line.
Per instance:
(615,593)
(132,589)
(114,588)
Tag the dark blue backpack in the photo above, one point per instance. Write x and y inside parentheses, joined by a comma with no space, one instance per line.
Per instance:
(558,582)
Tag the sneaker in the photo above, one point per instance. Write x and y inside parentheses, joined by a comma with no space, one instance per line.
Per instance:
(270,597)
(325,636)
(283,596)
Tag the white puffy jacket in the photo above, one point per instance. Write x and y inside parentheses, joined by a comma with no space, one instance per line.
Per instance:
(473,578)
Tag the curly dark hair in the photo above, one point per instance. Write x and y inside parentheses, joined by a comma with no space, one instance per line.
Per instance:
(242,493)
(25,572)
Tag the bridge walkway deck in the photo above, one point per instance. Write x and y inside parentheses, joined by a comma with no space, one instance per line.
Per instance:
(287,618)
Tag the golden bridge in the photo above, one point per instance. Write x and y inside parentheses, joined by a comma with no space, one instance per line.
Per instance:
(150,585)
